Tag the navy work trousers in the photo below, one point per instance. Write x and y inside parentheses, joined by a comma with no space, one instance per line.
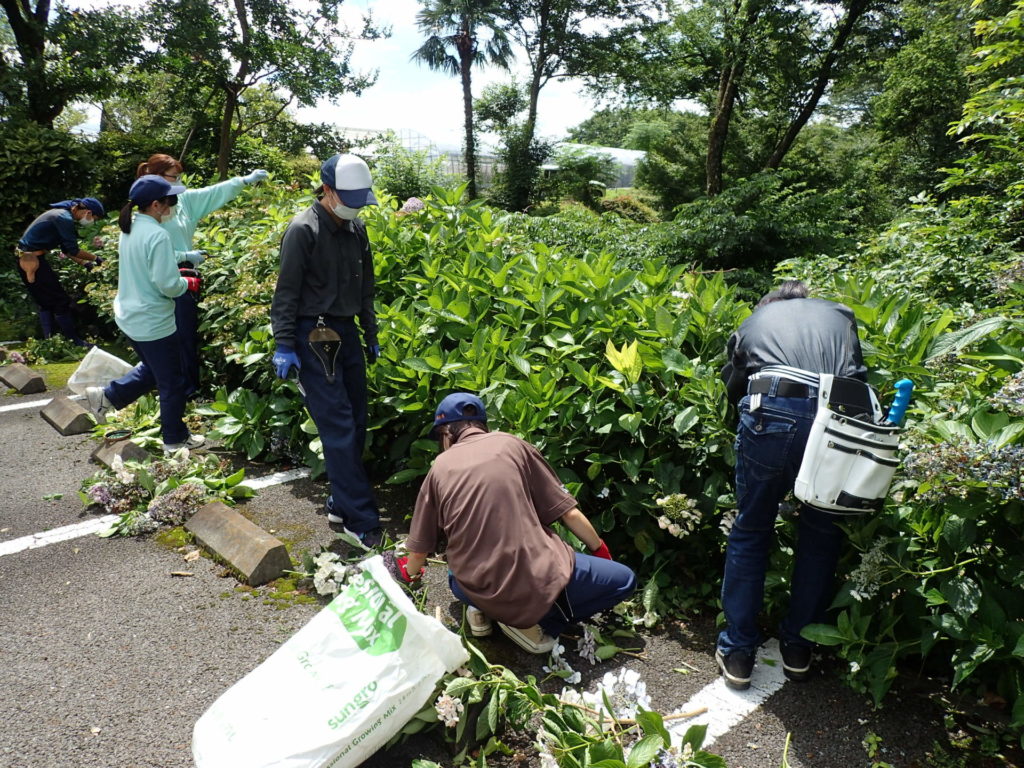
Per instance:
(596,585)
(46,291)
(339,410)
(161,369)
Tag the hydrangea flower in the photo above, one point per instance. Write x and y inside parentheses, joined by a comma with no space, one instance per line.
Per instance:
(448,709)
(178,505)
(412,205)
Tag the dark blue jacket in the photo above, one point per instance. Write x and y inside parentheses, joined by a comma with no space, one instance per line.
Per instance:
(53,229)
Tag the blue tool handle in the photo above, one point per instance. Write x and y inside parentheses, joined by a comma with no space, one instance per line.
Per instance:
(898,409)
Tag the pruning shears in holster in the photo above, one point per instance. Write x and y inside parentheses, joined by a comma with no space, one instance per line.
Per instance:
(325,344)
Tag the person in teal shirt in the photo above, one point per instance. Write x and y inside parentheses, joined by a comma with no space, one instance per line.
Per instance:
(192,205)
(148,282)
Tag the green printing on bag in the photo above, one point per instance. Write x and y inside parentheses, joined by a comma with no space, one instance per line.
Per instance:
(374,622)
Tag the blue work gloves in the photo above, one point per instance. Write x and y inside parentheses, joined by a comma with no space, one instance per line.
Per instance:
(256,176)
(284,359)
(196,257)
(372,353)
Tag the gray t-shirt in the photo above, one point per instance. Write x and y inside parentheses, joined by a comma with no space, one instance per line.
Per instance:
(493,497)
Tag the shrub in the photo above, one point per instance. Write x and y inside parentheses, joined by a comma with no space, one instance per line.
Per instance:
(629,207)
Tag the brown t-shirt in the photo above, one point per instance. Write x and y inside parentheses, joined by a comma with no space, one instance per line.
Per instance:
(493,496)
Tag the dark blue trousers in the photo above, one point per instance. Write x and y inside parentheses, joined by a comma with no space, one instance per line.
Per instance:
(339,412)
(186,318)
(46,291)
(596,585)
(161,369)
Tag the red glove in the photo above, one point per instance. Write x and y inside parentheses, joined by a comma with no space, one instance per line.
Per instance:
(602,551)
(398,568)
(194,283)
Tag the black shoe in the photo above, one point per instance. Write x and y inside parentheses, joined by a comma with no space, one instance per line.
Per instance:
(796,661)
(736,668)
(371,539)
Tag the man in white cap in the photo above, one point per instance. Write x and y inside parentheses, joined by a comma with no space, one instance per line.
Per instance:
(326,282)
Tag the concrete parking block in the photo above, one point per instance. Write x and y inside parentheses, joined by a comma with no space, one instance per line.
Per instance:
(67,416)
(126,449)
(22,379)
(254,553)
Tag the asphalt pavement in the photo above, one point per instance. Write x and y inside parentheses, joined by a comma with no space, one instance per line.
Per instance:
(107,659)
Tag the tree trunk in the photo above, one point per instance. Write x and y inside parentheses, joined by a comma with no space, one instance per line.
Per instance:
(856,10)
(465,65)
(718,132)
(29,28)
(728,88)
(226,137)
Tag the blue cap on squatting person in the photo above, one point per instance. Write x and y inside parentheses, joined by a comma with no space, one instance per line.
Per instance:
(90,204)
(453,408)
(347,185)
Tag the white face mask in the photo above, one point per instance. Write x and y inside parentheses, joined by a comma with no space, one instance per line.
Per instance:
(85,221)
(342,211)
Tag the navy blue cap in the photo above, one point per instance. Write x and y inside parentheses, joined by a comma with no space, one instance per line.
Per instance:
(151,187)
(349,176)
(95,206)
(453,408)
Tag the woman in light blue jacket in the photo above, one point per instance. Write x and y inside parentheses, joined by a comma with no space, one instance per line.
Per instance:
(148,282)
(192,205)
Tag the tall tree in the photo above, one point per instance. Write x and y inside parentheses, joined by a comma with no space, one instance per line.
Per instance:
(562,38)
(454,45)
(225,47)
(53,56)
(774,60)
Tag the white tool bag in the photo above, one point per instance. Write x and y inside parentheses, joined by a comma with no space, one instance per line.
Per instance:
(850,458)
(338,689)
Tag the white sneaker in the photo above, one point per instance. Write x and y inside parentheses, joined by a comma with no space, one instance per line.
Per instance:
(532,639)
(479,624)
(193,442)
(98,403)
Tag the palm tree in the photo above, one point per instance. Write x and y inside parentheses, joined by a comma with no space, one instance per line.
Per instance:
(453,45)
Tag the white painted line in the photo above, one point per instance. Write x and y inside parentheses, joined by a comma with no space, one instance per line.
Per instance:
(277,478)
(725,706)
(78,530)
(54,535)
(33,404)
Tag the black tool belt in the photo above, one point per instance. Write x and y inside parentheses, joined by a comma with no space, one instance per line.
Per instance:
(785,388)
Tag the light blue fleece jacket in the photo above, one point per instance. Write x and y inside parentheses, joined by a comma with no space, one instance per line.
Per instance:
(194,204)
(147,281)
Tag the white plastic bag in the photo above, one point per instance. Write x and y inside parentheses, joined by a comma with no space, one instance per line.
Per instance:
(338,689)
(849,461)
(97,369)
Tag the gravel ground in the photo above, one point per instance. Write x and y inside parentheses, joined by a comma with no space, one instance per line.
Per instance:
(107,660)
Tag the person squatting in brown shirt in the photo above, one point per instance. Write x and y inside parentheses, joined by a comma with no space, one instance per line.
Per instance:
(493,497)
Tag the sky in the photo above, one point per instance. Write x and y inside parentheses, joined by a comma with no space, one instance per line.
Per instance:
(409,97)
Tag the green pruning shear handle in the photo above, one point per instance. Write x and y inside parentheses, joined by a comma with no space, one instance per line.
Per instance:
(900,401)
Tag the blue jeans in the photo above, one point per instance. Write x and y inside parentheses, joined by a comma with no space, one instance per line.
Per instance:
(160,368)
(596,585)
(769,448)
(339,411)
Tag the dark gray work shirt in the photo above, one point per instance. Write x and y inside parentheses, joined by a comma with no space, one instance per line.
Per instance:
(326,269)
(814,335)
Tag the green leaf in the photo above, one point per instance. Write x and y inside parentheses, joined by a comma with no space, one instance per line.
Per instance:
(823,634)
(644,751)
(630,422)
(685,420)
